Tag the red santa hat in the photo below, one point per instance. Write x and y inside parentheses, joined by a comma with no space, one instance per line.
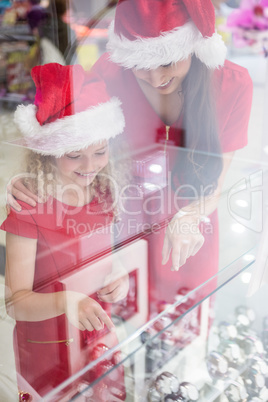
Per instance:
(69,113)
(150,33)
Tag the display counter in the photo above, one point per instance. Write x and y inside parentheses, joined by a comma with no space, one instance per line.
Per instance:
(191,335)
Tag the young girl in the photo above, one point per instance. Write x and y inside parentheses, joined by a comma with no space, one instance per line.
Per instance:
(68,131)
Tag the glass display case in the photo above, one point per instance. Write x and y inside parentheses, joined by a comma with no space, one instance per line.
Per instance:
(197,332)
(202,339)
(190,352)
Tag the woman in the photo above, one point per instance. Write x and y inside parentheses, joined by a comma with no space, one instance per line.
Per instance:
(69,167)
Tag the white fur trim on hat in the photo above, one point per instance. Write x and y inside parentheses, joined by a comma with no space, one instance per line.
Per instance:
(171,46)
(71,133)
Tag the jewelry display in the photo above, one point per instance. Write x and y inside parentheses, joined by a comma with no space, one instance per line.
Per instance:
(153,395)
(227,330)
(172,398)
(236,392)
(166,383)
(250,345)
(188,391)
(217,365)
(231,351)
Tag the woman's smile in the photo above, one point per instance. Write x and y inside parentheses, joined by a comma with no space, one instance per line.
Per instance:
(166,84)
(164,79)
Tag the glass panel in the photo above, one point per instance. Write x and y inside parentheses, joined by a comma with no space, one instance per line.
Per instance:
(167,318)
(216,349)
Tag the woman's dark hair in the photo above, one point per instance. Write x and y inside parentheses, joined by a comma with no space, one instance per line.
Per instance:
(200,166)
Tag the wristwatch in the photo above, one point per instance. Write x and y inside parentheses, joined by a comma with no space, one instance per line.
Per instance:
(227,330)
(217,365)
(153,395)
(254,381)
(236,392)
(167,383)
(231,351)
(242,322)
(188,392)
(259,364)
(250,344)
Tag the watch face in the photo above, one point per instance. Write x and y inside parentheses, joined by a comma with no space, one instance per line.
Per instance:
(217,365)
(230,350)
(252,345)
(259,346)
(222,366)
(259,364)
(167,383)
(189,391)
(243,320)
(227,331)
(237,391)
(153,395)
(233,393)
(174,385)
(259,380)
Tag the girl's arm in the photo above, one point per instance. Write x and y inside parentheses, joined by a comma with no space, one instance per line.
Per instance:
(23,304)
(183,236)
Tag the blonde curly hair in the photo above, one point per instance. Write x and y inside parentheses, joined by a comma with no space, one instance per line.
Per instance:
(41,178)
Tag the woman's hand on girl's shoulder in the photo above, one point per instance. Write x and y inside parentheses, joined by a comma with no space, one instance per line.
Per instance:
(17,190)
(85,313)
(183,239)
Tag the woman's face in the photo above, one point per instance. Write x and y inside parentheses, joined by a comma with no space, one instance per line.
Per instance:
(81,167)
(164,79)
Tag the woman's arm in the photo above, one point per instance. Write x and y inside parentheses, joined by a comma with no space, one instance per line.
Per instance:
(16,189)
(183,236)
(23,304)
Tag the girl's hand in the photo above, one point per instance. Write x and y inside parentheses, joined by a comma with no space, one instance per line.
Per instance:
(16,189)
(115,291)
(85,313)
(184,238)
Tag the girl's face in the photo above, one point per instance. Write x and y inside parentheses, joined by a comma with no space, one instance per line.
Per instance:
(81,167)
(164,79)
